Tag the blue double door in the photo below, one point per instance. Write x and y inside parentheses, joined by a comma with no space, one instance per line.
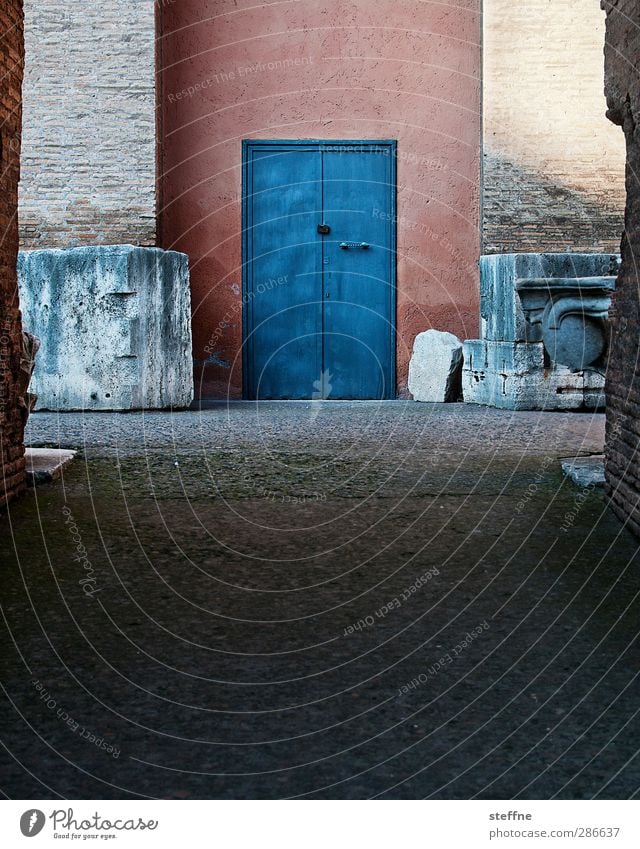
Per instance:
(319,270)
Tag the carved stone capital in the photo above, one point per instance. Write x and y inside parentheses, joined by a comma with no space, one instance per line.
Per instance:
(570,316)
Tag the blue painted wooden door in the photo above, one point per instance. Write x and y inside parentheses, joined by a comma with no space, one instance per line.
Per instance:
(319,270)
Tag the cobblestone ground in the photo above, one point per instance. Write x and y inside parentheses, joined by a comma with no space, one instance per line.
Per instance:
(319,600)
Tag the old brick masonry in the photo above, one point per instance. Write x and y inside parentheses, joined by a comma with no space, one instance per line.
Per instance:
(11,415)
(623,382)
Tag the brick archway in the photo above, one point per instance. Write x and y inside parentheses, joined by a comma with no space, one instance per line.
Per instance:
(12,415)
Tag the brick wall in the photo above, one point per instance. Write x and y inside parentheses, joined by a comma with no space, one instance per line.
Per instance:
(88,166)
(623,378)
(553,164)
(11,422)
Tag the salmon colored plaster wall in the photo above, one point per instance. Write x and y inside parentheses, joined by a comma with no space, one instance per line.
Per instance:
(328,69)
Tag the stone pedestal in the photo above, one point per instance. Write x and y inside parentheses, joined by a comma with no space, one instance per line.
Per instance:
(544,332)
(114,324)
(513,376)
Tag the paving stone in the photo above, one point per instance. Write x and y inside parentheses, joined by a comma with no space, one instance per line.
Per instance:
(240,598)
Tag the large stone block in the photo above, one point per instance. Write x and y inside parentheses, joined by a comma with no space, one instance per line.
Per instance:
(502,316)
(544,332)
(434,370)
(115,327)
(513,376)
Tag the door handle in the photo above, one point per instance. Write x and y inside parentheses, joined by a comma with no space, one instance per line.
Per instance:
(362,245)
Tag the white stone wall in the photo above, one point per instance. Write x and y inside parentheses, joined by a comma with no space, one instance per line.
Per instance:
(89,138)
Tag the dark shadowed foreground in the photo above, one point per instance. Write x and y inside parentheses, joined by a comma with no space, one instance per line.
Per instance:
(322,600)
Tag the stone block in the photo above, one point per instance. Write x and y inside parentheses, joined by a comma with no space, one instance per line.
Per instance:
(114,324)
(517,357)
(513,376)
(435,367)
(543,322)
(585,471)
(44,465)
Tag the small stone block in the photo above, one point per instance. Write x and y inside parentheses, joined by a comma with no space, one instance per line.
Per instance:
(45,465)
(585,471)
(435,367)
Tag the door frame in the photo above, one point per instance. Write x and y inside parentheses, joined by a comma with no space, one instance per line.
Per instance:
(248,145)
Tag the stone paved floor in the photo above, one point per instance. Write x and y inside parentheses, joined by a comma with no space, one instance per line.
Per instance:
(319,600)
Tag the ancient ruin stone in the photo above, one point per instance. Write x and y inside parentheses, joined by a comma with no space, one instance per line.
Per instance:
(544,332)
(115,327)
(435,370)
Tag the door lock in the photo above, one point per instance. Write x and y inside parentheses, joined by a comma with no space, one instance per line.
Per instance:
(324,229)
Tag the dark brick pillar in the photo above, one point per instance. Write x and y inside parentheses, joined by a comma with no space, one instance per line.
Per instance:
(12,415)
(622,84)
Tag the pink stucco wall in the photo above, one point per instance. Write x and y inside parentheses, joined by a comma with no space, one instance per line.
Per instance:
(334,69)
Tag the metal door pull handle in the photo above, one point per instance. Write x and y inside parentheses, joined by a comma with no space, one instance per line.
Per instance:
(346,245)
